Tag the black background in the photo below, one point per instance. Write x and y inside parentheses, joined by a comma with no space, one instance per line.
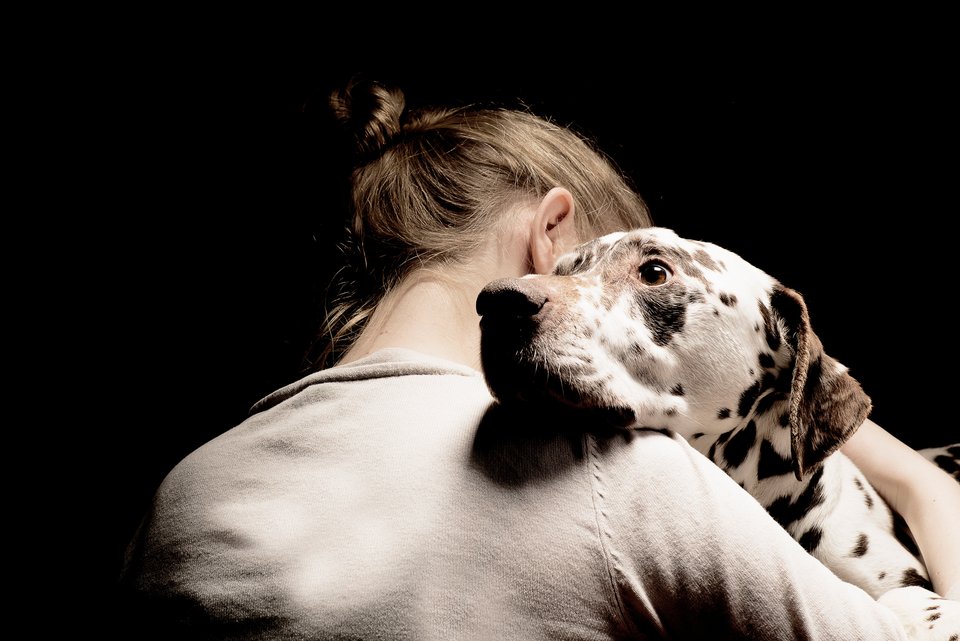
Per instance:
(833,170)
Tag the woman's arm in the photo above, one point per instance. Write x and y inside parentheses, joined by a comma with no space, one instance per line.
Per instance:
(926,496)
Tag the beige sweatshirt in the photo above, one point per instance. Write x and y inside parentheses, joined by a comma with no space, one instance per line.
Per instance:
(392,499)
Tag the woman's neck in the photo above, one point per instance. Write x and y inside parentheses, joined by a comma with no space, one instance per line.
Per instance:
(427,315)
(433,310)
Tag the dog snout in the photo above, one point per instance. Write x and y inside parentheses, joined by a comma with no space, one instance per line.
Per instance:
(514,297)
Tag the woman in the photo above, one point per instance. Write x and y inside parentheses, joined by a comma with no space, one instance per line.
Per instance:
(386,497)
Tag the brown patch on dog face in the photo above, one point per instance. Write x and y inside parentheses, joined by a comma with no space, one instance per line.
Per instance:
(705,259)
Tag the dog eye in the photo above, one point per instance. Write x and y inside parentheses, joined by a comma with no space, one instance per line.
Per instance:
(654,273)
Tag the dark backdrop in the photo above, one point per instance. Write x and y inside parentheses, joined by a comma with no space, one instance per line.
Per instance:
(835,176)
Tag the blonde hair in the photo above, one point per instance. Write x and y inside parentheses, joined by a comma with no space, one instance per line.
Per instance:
(429,187)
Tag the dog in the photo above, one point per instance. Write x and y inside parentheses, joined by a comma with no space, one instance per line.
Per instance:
(651,330)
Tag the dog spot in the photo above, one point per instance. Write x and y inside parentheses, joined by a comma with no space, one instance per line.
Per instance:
(811,539)
(912,577)
(784,420)
(739,446)
(716,312)
(724,412)
(866,495)
(747,398)
(771,463)
(706,260)
(677,390)
(786,511)
(695,297)
(770,327)
(728,299)
(766,361)
(717,443)
(765,404)
(947,463)
(664,311)
(608,300)
(902,532)
(671,412)
(934,616)
(861,547)
(583,260)
(881,576)
(697,435)
(932,607)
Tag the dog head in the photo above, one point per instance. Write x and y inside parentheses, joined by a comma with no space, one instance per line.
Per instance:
(649,329)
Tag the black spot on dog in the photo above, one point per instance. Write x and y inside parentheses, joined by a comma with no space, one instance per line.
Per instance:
(717,443)
(948,463)
(664,311)
(933,617)
(747,398)
(770,327)
(765,404)
(771,463)
(866,495)
(881,576)
(932,607)
(784,420)
(810,539)
(863,544)
(677,390)
(695,297)
(671,412)
(739,446)
(786,511)
(902,532)
(724,413)
(728,299)
(912,577)
(697,435)
(766,361)
(716,312)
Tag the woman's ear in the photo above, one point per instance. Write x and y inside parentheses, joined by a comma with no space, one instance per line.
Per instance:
(554,231)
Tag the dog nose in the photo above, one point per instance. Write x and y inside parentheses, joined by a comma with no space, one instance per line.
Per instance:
(518,297)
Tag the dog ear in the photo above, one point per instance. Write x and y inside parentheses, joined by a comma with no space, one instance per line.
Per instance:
(826,404)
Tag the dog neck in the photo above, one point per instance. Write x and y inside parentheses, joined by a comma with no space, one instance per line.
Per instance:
(756,453)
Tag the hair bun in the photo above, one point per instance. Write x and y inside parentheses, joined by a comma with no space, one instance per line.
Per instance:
(371,111)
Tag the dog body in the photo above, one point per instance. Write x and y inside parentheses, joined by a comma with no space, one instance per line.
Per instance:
(650,330)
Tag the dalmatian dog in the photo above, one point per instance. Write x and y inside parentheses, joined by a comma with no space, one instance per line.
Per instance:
(651,330)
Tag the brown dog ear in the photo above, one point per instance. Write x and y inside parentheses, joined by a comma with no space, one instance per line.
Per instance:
(826,404)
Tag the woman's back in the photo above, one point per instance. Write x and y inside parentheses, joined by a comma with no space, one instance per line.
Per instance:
(390,498)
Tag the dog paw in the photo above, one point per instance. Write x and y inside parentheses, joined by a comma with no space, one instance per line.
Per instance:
(924,615)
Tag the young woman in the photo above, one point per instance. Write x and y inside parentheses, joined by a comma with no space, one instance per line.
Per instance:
(386,497)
